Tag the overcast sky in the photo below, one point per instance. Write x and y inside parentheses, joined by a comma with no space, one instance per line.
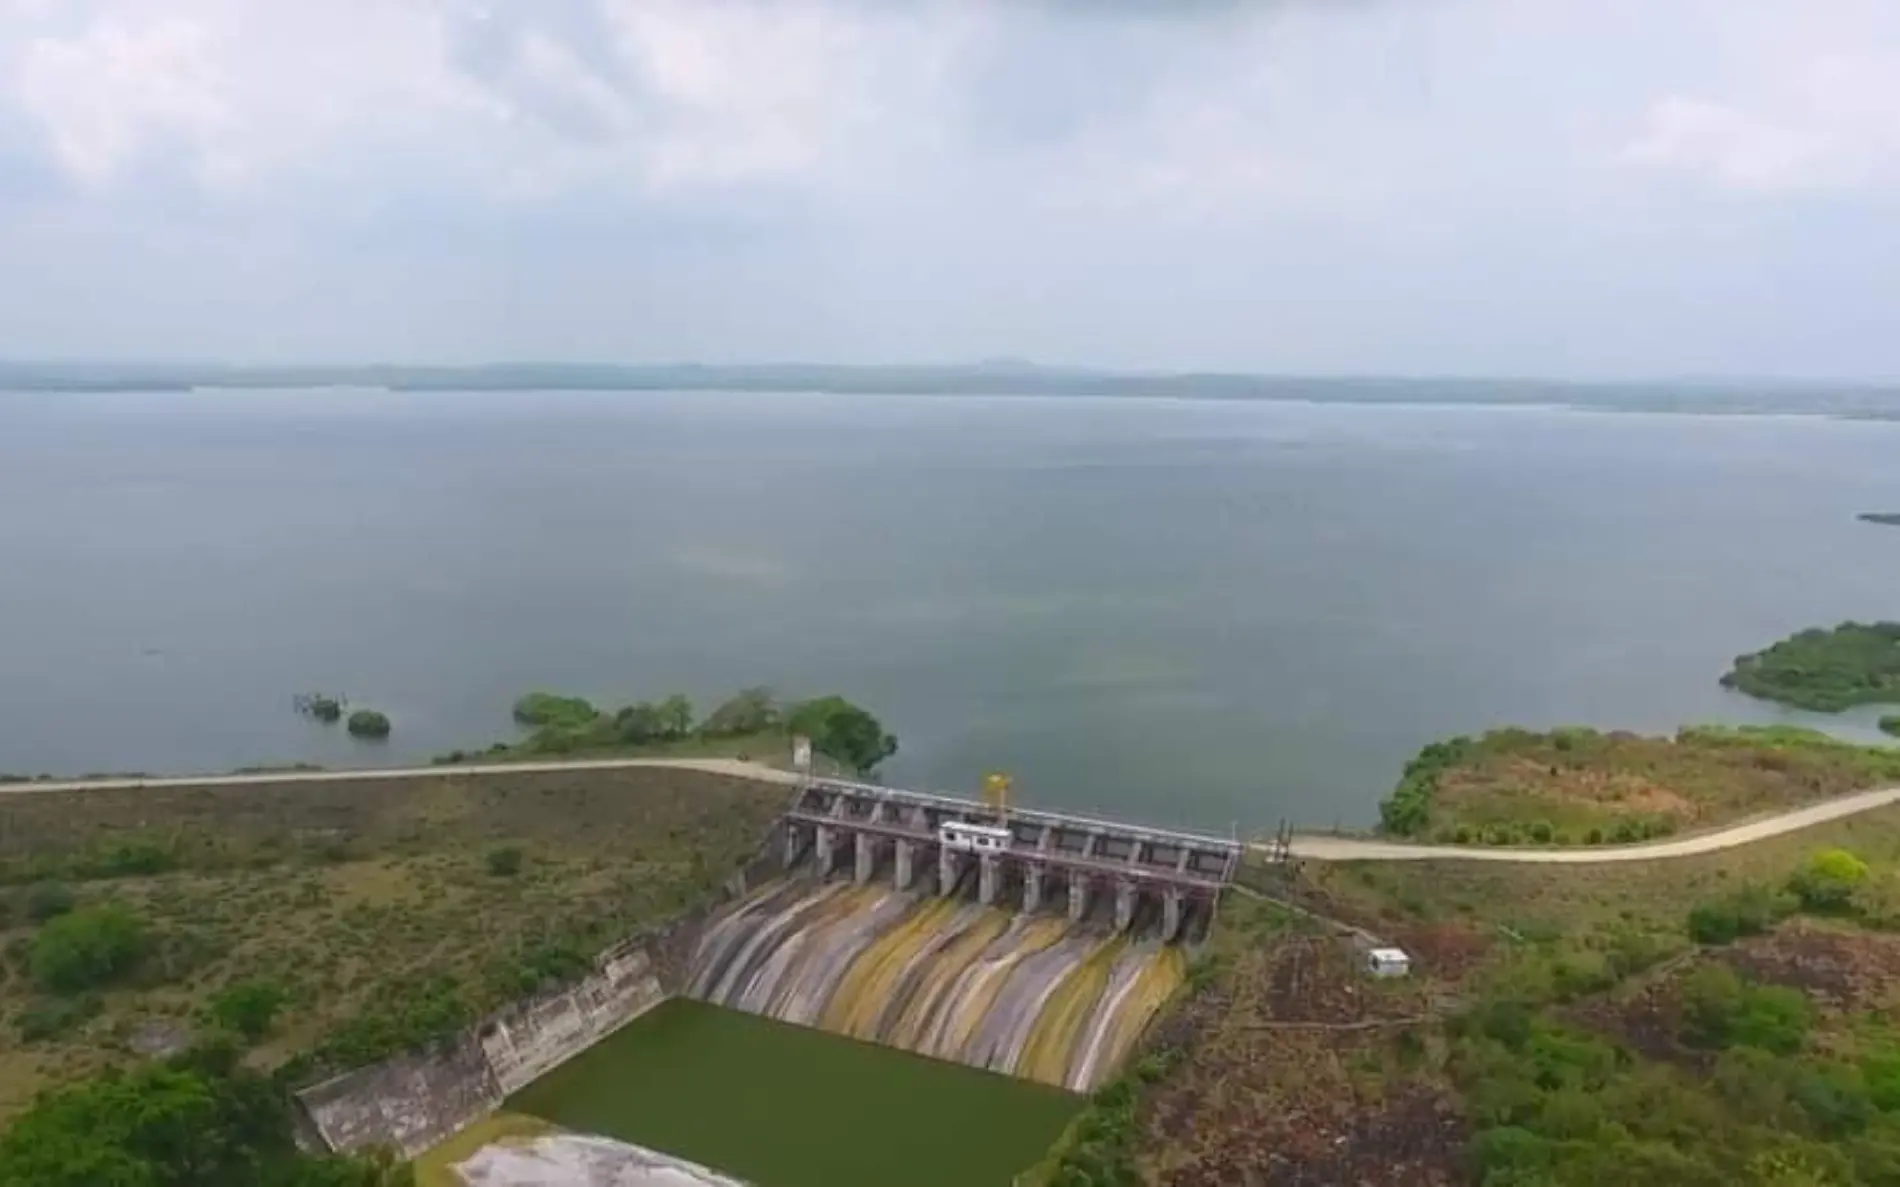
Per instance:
(1553,187)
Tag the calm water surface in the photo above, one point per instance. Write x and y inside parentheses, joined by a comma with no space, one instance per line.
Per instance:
(1191,612)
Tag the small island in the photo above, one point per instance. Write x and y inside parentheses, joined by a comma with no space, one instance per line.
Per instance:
(1579,786)
(1888,518)
(1825,670)
(750,724)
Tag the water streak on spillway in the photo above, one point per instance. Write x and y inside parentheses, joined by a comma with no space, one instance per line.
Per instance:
(1027,995)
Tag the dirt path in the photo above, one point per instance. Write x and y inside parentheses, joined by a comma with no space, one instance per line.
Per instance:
(1318,848)
(713,766)
(1308,847)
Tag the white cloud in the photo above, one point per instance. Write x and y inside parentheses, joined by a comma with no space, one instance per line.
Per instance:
(1432,179)
(1829,123)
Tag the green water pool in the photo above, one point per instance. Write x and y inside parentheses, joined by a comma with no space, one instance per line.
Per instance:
(784,1106)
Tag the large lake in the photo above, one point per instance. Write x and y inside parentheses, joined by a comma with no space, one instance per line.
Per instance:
(1191,612)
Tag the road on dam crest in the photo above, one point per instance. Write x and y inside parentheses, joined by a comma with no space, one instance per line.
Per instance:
(1310,847)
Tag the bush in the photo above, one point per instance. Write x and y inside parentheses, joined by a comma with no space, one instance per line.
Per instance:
(1541,831)
(1827,883)
(87,948)
(504,862)
(50,1020)
(322,707)
(248,1008)
(1891,724)
(48,900)
(368,723)
(1593,837)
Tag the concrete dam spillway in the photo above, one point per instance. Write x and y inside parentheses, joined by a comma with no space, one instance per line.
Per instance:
(1028,995)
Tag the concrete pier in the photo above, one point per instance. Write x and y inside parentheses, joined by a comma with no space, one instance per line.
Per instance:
(902,872)
(1078,897)
(821,850)
(1124,905)
(1032,887)
(946,871)
(866,858)
(988,876)
(1171,904)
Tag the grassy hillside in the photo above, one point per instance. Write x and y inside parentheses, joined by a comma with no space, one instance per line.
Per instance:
(1720,1020)
(345,917)
(1581,787)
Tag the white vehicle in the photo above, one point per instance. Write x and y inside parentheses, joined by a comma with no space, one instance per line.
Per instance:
(973,838)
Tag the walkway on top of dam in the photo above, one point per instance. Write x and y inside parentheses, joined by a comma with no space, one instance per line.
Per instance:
(1062,841)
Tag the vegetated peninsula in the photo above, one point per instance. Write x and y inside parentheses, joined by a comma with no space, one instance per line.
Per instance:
(1577,786)
(1889,518)
(1825,670)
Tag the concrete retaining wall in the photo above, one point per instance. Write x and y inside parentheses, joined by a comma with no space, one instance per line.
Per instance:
(409,1103)
(415,1101)
(532,1037)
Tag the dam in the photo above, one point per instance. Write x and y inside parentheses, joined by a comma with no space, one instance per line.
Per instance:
(1056,990)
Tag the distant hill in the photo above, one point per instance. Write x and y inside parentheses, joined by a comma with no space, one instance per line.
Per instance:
(991,377)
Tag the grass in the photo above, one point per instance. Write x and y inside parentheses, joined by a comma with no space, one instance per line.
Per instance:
(785,1106)
(348,895)
(1579,786)
(1825,670)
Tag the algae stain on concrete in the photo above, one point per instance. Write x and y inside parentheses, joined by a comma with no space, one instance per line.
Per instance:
(785,1106)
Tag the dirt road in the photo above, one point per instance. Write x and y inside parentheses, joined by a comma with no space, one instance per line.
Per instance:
(1317,848)
(1309,847)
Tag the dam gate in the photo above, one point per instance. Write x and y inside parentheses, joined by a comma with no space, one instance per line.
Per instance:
(1019,855)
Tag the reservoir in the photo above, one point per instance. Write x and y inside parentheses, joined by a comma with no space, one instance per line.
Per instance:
(783,1106)
(1191,613)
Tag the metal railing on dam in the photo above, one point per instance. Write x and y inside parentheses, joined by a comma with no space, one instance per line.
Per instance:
(1032,853)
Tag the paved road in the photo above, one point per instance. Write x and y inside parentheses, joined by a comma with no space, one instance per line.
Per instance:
(1316,848)
(715,766)
(1307,847)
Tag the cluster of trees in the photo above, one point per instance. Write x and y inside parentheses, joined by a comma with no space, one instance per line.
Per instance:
(1832,882)
(1553,1105)
(1825,670)
(569,724)
(1407,812)
(194,1121)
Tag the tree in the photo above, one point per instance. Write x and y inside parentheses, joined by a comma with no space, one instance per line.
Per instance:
(676,716)
(639,724)
(192,1122)
(87,948)
(368,723)
(504,862)
(844,731)
(751,711)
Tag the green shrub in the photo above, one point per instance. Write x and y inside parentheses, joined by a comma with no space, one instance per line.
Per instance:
(47,900)
(248,1008)
(1593,837)
(504,862)
(86,948)
(1891,724)
(1541,831)
(368,723)
(51,1019)
(1828,881)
